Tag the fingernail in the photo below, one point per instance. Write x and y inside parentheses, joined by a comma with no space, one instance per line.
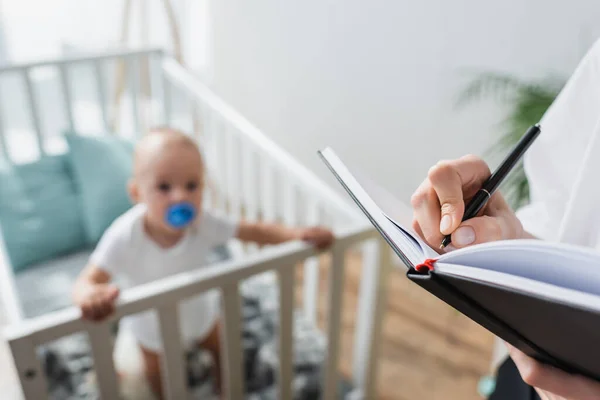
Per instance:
(449,248)
(445,223)
(463,236)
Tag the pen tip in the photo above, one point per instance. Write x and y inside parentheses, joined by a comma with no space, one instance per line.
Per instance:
(442,246)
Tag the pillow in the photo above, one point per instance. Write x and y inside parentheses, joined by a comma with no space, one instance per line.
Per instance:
(101,167)
(40,214)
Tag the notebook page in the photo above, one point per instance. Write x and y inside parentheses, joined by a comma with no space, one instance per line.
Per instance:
(407,248)
(396,211)
(427,250)
(538,289)
(559,264)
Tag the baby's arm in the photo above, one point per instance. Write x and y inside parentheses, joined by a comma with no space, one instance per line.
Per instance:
(270,233)
(94,293)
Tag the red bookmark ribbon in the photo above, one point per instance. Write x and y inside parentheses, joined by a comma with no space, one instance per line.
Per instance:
(426,265)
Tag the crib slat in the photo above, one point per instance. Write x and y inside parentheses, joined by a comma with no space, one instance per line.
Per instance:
(192,114)
(210,151)
(101,92)
(34,110)
(231,169)
(249,185)
(204,150)
(157,94)
(102,351)
(267,179)
(201,111)
(289,203)
(203,139)
(286,324)
(311,267)
(29,368)
(173,363)
(336,283)
(66,89)
(377,264)
(145,99)
(362,336)
(249,181)
(197,114)
(134,76)
(167,98)
(219,167)
(231,346)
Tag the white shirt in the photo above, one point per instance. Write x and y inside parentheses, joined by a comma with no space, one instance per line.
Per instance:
(126,251)
(563,166)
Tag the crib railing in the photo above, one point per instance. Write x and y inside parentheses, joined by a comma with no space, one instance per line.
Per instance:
(251,178)
(165,295)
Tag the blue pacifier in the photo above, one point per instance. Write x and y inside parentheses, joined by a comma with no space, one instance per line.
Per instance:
(180,215)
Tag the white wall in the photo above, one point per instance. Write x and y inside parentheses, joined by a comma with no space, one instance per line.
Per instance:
(37,29)
(377,79)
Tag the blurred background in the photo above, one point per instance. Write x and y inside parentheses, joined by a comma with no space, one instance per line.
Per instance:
(378,81)
(392,86)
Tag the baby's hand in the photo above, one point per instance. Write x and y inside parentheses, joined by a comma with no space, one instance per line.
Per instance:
(97,301)
(321,238)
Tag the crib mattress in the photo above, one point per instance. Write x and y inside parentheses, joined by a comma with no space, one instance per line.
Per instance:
(47,286)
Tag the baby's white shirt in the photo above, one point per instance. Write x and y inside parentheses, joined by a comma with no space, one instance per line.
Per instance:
(125,251)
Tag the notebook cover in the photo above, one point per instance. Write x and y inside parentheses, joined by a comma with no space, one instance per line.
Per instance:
(553,333)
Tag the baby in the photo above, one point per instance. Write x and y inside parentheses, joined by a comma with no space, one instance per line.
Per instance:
(165,233)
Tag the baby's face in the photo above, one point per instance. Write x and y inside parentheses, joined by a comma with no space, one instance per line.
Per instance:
(175,174)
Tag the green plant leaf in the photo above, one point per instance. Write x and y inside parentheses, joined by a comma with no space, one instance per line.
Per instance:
(527,102)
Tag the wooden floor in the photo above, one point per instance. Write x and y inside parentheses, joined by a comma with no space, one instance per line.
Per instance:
(428,350)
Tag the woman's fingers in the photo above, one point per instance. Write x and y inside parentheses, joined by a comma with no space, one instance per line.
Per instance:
(446,185)
(439,205)
(478,230)
(547,378)
(453,181)
(417,228)
(426,209)
(439,202)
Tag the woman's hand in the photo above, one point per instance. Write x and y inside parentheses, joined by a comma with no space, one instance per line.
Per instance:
(439,205)
(551,383)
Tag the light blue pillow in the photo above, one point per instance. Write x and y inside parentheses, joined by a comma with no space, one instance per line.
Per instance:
(101,167)
(40,214)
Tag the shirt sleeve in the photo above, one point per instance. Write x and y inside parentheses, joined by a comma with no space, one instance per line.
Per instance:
(110,253)
(217,229)
(553,162)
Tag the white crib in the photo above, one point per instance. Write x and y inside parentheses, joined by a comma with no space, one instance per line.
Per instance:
(251,177)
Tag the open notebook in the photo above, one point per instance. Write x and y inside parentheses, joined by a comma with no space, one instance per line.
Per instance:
(542,297)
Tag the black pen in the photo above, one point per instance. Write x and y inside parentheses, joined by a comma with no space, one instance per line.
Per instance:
(491,184)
